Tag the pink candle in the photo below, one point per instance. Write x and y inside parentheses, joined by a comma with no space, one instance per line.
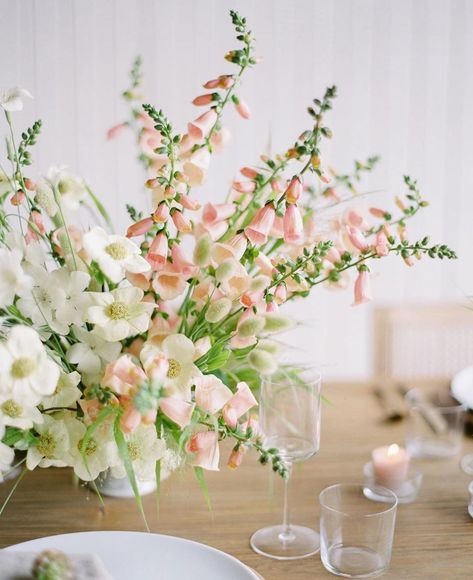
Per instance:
(390,464)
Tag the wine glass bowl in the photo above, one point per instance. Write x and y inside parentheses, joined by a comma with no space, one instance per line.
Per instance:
(290,423)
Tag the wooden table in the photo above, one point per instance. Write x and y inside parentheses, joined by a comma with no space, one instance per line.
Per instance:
(434,535)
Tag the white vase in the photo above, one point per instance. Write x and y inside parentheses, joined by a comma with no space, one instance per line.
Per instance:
(114,487)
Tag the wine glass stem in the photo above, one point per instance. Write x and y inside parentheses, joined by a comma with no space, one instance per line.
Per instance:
(286,535)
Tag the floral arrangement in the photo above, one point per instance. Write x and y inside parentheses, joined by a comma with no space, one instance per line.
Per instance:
(141,353)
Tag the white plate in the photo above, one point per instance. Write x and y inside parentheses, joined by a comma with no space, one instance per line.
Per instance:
(140,556)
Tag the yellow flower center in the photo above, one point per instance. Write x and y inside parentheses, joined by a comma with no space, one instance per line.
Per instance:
(174,369)
(117,251)
(117,310)
(12,409)
(63,186)
(91,446)
(22,367)
(46,445)
(134,451)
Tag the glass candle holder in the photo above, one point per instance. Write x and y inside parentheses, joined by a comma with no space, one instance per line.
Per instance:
(356,534)
(434,427)
(407,489)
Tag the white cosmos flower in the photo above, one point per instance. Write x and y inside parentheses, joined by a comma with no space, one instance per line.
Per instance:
(115,255)
(26,371)
(73,284)
(45,298)
(144,449)
(179,351)
(32,253)
(120,313)
(71,188)
(13,280)
(91,353)
(12,99)
(66,393)
(52,447)
(16,414)
(100,451)
(6,453)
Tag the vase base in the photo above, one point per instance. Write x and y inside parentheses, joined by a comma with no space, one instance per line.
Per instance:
(114,487)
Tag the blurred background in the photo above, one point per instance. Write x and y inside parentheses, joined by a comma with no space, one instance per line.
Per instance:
(404,71)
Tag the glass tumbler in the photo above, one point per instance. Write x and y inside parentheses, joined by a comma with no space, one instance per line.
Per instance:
(356,534)
(434,427)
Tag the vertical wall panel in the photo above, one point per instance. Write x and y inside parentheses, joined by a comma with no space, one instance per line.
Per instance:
(405,76)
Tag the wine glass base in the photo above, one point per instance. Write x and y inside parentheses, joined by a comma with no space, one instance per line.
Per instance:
(273,542)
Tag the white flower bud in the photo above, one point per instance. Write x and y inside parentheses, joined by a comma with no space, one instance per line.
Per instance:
(260,283)
(276,322)
(202,251)
(262,361)
(44,197)
(226,270)
(251,326)
(269,346)
(218,310)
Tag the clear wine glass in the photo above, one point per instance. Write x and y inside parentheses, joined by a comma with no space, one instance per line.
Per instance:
(290,422)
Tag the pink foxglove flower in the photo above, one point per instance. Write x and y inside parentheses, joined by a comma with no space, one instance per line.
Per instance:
(236,457)
(189,203)
(277,231)
(115,131)
(196,165)
(362,289)
(244,186)
(219,139)
(161,214)
(272,306)
(131,419)
(180,262)
(258,230)
(207,453)
(293,225)
(213,213)
(122,375)
(169,282)
(200,128)
(158,252)
(211,394)
(241,402)
(294,190)
(203,100)
(234,248)
(242,108)
(140,228)
(18,198)
(249,172)
(182,224)
(280,294)
(377,212)
(177,410)
(381,244)
(357,239)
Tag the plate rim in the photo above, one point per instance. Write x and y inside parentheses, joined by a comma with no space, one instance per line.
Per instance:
(138,533)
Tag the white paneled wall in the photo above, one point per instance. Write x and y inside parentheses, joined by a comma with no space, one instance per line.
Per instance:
(404,70)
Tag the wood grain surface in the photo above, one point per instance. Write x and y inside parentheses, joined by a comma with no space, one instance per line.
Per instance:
(434,535)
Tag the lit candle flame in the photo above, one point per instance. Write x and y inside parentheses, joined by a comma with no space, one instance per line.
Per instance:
(393,450)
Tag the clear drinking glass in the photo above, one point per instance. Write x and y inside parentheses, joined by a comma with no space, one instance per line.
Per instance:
(290,422)
(434,427)
(356,534)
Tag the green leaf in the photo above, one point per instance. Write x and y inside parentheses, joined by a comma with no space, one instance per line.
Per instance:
(158,484)
(125,457)
(199,473)
(100,208)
